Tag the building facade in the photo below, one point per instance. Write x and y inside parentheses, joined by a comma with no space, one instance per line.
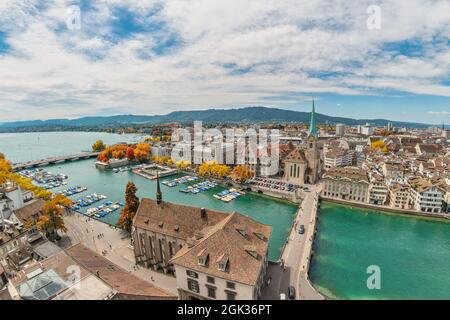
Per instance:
(426,197)
(208,269)
(349,184)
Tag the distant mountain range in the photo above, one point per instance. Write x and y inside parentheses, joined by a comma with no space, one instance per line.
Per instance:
(240,115)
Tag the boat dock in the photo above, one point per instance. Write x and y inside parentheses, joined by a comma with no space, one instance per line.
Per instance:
(54,160)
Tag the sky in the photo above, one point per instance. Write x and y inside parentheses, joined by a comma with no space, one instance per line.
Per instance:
(67,59)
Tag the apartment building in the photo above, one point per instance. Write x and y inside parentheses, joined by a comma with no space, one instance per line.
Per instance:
(399,196)
(425,196)
(337,158)
(378,191)
(350,184)
(206,269)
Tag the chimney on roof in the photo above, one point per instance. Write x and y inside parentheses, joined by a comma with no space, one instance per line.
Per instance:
(203,213)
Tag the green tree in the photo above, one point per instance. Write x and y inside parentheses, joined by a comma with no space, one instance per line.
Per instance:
(98,146)
(131,207)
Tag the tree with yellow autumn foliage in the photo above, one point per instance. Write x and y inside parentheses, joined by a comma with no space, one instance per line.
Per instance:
(130,208)
(182,164)
(242,173)
(51,219)
(212,169)
(98,146)
(380,146)
(142,152)
(162,160)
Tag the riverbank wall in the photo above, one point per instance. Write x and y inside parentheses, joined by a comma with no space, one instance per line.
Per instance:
(387,209)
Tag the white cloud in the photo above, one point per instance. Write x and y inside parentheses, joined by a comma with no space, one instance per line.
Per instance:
(438,112)
(231,53)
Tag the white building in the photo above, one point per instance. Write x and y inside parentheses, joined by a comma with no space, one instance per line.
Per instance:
(161,151)
(340,130)
(17,195)
(378,191)
(349,184)
(426,197)
(367,129)
(338,158)
(207,269)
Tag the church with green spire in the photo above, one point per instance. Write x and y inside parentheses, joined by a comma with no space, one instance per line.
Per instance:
(312,124)
(303,165)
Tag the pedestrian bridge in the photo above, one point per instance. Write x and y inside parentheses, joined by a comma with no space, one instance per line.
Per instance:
(54,160)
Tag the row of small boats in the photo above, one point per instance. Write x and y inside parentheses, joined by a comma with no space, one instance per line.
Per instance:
(72,191)
(122,169)
(199,187)
(88,200)
(104,209)
(41,176)
(181,180)
(228,195)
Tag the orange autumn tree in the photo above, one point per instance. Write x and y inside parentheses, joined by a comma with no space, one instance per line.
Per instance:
(51,220)
(142,151)
(130,154)
(242,173)
(131,207)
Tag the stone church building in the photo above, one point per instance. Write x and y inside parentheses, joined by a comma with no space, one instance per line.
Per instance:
(303,166)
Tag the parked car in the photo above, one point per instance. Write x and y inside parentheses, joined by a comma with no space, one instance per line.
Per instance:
(282,296)
(291,291)
(301,229)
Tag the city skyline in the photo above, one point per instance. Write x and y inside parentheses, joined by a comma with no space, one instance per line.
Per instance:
(153,57)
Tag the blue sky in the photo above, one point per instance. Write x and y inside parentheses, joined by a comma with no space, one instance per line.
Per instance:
(154,57)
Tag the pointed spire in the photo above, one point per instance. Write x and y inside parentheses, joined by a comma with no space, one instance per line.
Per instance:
(312,125)
(158,189)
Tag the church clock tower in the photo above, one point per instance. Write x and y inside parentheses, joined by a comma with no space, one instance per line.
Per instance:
(312,151)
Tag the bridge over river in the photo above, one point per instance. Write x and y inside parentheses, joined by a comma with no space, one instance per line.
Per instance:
(54,160)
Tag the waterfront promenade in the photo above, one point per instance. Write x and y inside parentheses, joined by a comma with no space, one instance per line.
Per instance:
(53,160)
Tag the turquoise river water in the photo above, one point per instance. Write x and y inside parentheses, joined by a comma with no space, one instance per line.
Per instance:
(413,254)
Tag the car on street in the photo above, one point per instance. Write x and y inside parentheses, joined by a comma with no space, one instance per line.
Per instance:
(282,296)
(301,229)
(291,293)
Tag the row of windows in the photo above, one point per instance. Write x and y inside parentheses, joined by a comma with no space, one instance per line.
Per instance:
(294,171)
(193,286)
(337,195)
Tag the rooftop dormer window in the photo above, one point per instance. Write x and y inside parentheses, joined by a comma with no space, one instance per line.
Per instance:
(259,235)
(251,250)
(223,262)
(241,229)
(203,258)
